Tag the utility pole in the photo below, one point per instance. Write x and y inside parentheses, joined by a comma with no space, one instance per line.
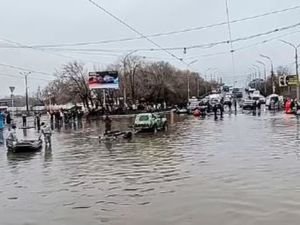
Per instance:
(124,74)
(12,89)
(297,65)
(258,70)
(265,74)
(188,78)
(25,74)
(272,71)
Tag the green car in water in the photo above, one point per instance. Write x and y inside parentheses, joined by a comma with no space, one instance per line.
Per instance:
(150,122)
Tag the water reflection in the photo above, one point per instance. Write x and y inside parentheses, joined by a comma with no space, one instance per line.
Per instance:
(241,168)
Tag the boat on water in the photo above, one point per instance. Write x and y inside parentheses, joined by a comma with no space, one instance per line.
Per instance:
(30,141)
(116,135)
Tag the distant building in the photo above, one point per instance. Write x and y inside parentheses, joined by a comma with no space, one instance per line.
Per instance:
(4,105)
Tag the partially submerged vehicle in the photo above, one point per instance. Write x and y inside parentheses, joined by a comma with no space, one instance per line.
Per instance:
(248,104)
(273,102)
(258,97)
(150,122)
(30,141)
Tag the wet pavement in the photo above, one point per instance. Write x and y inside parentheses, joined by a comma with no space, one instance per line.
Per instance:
(243,169)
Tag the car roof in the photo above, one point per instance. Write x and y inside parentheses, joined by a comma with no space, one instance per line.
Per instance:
(144,114)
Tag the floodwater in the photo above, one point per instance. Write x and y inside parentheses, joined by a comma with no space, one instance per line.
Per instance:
(243,169)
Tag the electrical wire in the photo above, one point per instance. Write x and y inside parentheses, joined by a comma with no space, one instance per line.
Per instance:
(202,46)
(25,69)
(47,51)
(170,32)
(19,77)
(135,30)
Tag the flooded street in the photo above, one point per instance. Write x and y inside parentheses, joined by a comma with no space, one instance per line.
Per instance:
(243,169)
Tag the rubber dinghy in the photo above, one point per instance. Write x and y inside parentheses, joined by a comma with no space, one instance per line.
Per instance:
(116,135)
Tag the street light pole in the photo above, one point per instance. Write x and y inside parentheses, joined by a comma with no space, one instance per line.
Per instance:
(297,65)
(188,79)
(124,73)
(265,74)
(258,69)
(272,71)
(25,74)
(12,89)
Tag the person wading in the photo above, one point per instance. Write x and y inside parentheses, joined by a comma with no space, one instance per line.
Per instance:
(235,105)
(38,121)
(24,119)
(107,122)
(8,120)
(2,118)
(46,131)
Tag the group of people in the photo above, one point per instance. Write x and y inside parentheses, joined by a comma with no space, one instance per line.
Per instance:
(291,106)
(216,106)
(66,116)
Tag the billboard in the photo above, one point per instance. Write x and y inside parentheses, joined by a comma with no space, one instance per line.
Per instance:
(104,80)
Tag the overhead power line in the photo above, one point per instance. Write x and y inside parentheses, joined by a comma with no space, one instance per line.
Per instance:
(247,46)
(20,77)
(171,32)
(134,30)
(204,46)
(25,69)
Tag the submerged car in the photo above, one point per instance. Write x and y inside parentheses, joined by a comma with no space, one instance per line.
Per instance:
(28,142)
(150,122)
(248,104)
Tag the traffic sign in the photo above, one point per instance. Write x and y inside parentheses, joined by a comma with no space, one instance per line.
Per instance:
(291,80)
(12,89)
(282,81)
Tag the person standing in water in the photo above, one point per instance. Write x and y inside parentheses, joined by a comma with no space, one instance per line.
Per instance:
(46,131)
(8,120)
(24,119)
(2,118)
(38,121)
(235,104)
(107,122)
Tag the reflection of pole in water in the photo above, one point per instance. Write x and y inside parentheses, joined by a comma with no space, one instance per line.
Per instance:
(172,117)
(25,132)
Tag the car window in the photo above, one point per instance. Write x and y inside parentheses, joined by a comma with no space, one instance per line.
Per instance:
(144,118)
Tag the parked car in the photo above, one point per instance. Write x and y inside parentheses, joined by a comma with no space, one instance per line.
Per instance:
(150,122)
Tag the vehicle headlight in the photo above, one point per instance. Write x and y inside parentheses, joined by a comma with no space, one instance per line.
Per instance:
(14,143)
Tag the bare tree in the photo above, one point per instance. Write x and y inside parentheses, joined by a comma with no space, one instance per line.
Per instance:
(76,76)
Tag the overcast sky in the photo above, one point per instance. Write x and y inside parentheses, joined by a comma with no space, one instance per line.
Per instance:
(50,22)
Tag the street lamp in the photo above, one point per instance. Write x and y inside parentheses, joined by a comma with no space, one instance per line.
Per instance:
(25,74)
(297,65)
(258,69)
(12,89)
(265,74)
(253,73)
(124,69)
(272,71)
(188,78)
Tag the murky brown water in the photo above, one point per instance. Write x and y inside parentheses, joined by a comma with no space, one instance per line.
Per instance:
(242,170)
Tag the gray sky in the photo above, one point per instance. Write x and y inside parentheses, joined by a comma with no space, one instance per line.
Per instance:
(41,22)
